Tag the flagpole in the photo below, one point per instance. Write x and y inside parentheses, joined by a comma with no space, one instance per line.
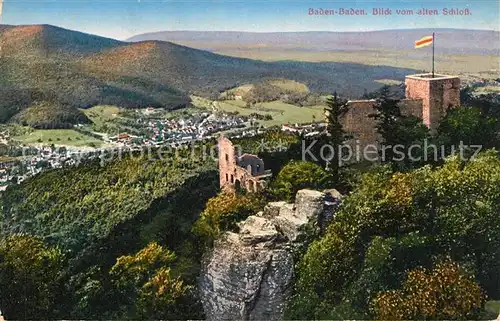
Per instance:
(433,41)
(1,7)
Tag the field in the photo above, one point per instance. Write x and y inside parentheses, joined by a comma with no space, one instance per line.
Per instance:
(66,137)
(290,85)
(453,64)
(488,89)
(493,306)
(101,114)
(282,113)
(389,82)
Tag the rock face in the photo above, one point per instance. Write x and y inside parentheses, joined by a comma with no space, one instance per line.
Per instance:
(248,275)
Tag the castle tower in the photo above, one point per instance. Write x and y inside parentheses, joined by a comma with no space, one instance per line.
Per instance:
(227,161)
(437,95)
(235,171)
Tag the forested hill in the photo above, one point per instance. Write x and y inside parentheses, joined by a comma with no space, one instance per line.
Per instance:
(95,214)
(43,63)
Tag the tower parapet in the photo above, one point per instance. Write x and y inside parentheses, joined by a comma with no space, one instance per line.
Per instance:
(437,93)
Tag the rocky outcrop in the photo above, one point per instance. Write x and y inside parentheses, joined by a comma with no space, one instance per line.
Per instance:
(248,275)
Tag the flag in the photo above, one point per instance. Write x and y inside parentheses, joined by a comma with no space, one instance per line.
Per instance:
(423,42)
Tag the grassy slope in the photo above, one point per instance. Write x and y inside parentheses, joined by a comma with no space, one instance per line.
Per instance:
(101,114)
(282,113)
(493,306)
(66,137)
(290,85)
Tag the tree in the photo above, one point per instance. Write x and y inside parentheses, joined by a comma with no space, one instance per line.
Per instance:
(223,211)
(30,275)
(297,175)
(488,104)
(443,293)
(468,126)
(146,283)
(335,111)
(394,222)
(398,132)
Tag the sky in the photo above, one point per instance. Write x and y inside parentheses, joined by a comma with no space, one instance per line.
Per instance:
(121,19)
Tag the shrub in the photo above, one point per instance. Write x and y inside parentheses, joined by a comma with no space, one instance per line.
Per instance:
(224,211)
(297,175)
(446,292)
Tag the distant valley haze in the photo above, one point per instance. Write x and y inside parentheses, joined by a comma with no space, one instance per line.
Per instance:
(448,41)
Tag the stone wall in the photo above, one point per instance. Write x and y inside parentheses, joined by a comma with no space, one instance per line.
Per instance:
(437,95)
(361,126)
(358,123)
(411,107)
(231,175)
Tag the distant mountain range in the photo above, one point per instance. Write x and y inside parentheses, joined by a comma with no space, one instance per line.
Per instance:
(43,66)
(457,41)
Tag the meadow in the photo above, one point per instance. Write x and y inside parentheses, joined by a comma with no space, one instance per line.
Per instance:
(66,137)
(481,65)
(99,115)
(282,113)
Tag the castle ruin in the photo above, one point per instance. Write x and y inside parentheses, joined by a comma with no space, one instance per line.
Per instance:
(426,97)
(245,171)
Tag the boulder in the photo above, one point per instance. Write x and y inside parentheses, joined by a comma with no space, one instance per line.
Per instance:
(248,275)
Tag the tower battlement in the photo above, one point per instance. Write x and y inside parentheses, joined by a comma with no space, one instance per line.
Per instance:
(437,93)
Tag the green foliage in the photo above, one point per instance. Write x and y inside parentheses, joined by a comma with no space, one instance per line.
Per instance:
(72,206)
(397,129)
(30,276)
(469,126)
(298,175)
(146,287)
(336,110)
(446,292)
(224,211)
(394,222)
(489,103)
(50,115)
(98,212)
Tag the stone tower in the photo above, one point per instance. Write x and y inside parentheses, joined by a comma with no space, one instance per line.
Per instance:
(240,171)
(437,95)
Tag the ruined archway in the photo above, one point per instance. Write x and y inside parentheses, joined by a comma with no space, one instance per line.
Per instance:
(237,184)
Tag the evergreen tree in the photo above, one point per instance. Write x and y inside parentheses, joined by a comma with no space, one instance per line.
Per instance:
(398,132)
(336,135)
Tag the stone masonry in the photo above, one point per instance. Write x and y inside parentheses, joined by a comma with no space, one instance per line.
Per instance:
(240,171)
(437,95)
(426,97)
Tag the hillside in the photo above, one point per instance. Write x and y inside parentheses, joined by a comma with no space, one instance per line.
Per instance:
(47,63)
(97,213)
(47,115)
